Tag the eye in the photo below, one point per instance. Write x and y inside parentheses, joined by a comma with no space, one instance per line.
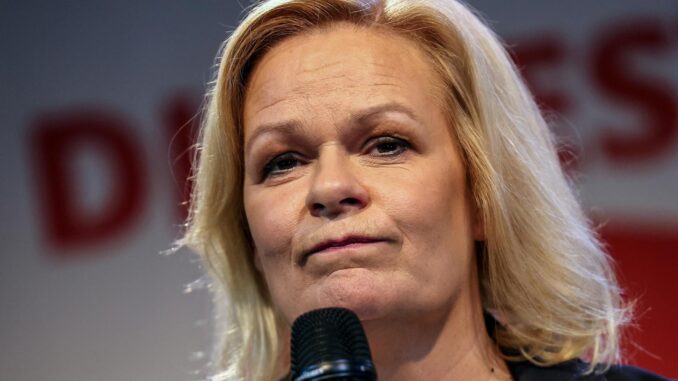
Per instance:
(281,164)
(388,146)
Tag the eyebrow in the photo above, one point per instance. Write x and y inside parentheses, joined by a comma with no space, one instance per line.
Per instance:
(363,116)
(288,127)
(291,127)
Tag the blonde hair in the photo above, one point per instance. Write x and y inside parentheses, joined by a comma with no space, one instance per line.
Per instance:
(543,272)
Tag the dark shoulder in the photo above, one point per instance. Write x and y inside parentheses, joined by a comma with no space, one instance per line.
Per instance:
(575,370)
(631,373)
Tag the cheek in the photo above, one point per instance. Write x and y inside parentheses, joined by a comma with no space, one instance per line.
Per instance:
(431,210)
(429,202)
(273,224)
(273,215)
(272,220)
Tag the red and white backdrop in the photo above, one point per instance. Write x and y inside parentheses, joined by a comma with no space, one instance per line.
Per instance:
(93,97)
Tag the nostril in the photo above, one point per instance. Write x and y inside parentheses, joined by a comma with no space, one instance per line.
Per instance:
(334,207)
(350,201)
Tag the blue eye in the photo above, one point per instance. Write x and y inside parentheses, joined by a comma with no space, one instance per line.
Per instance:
(389,146)
(280,164)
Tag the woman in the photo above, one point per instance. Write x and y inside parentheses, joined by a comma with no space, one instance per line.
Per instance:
(386,157)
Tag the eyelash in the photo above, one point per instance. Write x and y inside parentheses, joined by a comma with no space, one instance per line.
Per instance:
(403,145)
(269,170)
(373,144)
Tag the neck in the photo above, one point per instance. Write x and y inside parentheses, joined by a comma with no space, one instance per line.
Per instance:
(449,346)
(452,345)
(444,352)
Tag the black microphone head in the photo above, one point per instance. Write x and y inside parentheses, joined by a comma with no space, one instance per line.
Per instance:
(330,344)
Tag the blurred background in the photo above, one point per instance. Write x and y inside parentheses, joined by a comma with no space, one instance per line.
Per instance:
(97,107)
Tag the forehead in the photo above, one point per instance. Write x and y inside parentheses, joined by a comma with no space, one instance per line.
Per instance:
(343,65)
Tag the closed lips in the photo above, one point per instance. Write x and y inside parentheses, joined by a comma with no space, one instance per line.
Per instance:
(340,243)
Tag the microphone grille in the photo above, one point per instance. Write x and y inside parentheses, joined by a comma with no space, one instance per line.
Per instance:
(327,334)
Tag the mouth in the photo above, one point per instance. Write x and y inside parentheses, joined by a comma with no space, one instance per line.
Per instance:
(332,244)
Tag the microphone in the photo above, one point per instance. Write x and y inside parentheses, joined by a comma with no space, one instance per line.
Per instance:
(330,344)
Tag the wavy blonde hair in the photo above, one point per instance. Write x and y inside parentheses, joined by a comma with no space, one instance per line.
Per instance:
(543,272)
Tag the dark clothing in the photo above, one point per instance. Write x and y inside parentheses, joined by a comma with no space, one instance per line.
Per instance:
(573,371)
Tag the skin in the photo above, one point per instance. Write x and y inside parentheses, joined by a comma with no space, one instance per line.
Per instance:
(345,136)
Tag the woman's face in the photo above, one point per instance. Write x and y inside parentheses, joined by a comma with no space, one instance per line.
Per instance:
(355,191)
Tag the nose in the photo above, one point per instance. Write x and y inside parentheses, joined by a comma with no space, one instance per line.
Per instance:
(336,189)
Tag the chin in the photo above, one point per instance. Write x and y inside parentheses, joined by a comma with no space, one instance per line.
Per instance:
(359,290)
